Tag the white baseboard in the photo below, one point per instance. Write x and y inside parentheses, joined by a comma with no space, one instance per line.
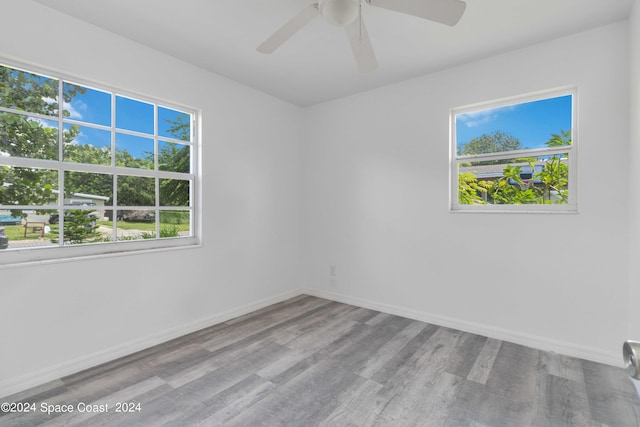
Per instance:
(537,342)
(51,373)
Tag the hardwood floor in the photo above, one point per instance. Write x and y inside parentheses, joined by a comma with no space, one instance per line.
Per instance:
(312,362)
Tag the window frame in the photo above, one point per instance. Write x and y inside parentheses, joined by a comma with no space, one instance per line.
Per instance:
(570,207)
(62,251)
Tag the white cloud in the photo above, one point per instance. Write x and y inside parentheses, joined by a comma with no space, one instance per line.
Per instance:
(482,117)
(47,124)
(477,118)
(75,109)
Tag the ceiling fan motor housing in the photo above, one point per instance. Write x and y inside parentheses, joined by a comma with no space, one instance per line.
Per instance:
(339,12)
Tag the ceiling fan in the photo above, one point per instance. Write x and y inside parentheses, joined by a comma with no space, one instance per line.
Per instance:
(348,14)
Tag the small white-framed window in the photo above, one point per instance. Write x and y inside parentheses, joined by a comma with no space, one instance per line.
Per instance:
(89,170)
(515,155)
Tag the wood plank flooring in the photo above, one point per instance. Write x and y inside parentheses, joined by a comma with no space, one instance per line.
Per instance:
(313,362)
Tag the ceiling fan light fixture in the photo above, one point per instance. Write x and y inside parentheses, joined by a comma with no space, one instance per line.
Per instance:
(339,12)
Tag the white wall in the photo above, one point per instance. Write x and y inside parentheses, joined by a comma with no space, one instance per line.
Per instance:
(59,318)
(634,194)
(377,205)
(374,171)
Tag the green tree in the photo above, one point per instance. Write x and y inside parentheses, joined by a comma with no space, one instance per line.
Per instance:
(88,183)
(79,226)
(470,190)
(28,92)
(127,160)
(136,191)
(25,136)
(511,188)
(554,180)
(562,139)
(176,158)
(495,142)
(32,135)
(181,127)
(555,175)
(87,154)
(546,186)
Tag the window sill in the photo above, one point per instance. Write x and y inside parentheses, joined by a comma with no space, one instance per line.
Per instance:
(511,210)
(20,258)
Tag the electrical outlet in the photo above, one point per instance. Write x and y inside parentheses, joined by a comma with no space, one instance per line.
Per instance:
(333,279)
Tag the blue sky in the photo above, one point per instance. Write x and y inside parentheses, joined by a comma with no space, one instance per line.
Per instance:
(94,107)
(532,123)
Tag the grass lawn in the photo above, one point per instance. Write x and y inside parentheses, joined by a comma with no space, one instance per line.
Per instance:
(16,232)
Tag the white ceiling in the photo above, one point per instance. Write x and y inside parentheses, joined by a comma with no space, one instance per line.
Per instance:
(316,64)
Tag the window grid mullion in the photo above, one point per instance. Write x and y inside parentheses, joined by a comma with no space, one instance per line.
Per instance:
(114,212)
(474,164)
(156,167)
(61,172)
(506,155)
(61,166)
(27,113)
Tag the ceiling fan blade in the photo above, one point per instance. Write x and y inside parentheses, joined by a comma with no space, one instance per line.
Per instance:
(285,32)
(361,46)
(446,12)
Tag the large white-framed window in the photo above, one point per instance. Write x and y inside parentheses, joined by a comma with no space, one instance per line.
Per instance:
(515,155)
(87,169)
